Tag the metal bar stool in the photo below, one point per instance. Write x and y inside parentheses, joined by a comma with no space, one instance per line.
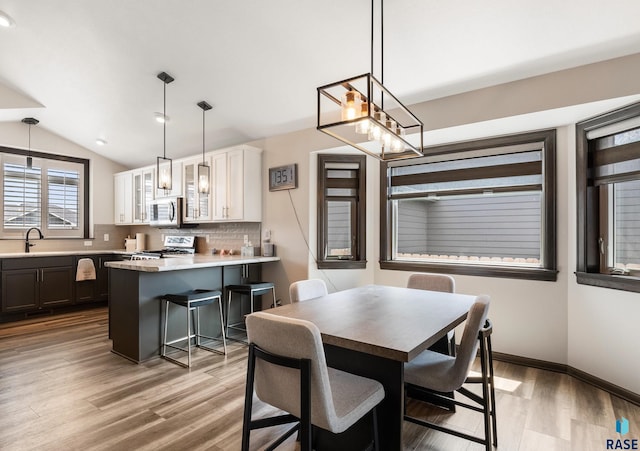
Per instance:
(250,289)
(192,300)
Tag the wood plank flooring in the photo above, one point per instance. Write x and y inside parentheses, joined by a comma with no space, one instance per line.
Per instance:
(62,389)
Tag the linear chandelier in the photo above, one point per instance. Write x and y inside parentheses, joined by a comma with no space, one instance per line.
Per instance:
(164,165)
(362,113)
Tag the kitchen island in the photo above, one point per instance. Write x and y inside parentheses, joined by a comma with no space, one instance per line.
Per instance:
(136,287)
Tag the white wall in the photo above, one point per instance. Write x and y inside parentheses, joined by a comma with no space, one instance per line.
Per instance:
(591,329)
(101,170)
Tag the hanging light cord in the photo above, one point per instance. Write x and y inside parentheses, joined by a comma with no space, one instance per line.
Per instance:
(164,123)
(381,40)
(203,111)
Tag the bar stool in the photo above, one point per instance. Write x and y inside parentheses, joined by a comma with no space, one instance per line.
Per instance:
(192,300)
(250,289)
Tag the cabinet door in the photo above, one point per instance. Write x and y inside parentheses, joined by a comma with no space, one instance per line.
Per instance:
(102,276)
(19,290)
(123,198)
(219,186)
(235,185)
(143,193)
(56,285)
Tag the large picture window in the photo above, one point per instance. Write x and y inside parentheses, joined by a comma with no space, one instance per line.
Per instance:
(608,199)
(483,208)
(49,194)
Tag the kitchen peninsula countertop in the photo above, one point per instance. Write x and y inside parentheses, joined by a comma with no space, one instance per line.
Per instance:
(188,262)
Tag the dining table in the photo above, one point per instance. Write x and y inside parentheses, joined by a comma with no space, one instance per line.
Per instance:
(372,331)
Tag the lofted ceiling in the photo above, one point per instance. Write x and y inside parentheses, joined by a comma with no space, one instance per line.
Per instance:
(87,69)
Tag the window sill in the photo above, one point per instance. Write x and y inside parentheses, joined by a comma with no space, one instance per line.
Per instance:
(342,264)
(625,283)
(549,275)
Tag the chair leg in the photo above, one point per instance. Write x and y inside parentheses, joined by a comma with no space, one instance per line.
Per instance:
(375,428)
(166,321)
(228,312)
(224,339)
(188,336)
(486,410)
(248,400)
(305,406)
(493,392)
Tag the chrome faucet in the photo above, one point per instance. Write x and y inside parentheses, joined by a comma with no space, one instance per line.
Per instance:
(27,245)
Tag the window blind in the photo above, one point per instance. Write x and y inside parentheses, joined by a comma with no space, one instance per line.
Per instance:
(22,194)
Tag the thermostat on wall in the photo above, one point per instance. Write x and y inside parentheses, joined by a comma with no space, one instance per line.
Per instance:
(283,177)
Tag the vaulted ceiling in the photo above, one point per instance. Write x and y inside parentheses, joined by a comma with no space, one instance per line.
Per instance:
(87,69)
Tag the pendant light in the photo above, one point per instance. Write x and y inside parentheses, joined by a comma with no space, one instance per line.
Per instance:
(164,164)
(204,171)
(362,113)
(30,121)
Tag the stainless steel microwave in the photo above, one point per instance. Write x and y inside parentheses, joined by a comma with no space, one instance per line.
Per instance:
(166,212)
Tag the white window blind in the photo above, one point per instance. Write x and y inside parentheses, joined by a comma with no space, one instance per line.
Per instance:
(63,199)
(22,196)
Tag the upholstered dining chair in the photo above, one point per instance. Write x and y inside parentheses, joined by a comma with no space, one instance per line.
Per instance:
(436,282)
(443,373)
(288,369)
(303,290)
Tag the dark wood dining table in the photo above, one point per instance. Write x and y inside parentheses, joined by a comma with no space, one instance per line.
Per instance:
(372,331)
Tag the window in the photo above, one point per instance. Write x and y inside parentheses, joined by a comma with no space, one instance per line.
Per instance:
(341,211)
(608,199)
(480,208)
(50,195)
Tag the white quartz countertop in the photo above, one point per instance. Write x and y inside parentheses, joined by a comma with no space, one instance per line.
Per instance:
(61,253)
(189,262)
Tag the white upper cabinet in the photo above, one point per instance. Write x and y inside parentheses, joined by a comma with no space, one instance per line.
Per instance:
(197,205)
(144,189)
(235,188)
(237,184)
(123,198)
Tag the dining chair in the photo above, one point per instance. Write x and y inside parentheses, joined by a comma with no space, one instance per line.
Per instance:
(442,373)
(436,282)
(288,370)
(303,290)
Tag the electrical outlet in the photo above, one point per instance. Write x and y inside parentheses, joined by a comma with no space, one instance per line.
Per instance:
(106,237)
(267,234)
(207,238)
(246,240)
(88,243)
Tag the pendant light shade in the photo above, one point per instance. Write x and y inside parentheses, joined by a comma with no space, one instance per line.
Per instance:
(204,171)
(164,165)
(362,113)
(30,121)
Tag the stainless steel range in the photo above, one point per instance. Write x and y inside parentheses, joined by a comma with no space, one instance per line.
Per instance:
(174,246)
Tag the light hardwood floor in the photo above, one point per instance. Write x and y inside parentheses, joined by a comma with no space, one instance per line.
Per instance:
(62,389)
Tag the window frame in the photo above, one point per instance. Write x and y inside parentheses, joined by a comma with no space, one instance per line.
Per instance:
(589,202)
(83,193)
(359,261)
(548,227)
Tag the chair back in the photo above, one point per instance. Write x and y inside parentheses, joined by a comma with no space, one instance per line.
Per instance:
(280,386)
(469,343)
(303,290)
(432,282)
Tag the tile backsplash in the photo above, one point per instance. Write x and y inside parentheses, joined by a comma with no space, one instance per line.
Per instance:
(228,235)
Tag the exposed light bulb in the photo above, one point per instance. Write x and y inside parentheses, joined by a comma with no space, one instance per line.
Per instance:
(351,104)
(363,126)
(165,178)
(203,184)
(375,131)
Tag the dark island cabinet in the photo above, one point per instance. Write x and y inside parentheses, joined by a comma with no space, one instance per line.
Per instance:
(36,283)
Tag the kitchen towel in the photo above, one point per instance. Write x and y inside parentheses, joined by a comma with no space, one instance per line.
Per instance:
(86,270)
